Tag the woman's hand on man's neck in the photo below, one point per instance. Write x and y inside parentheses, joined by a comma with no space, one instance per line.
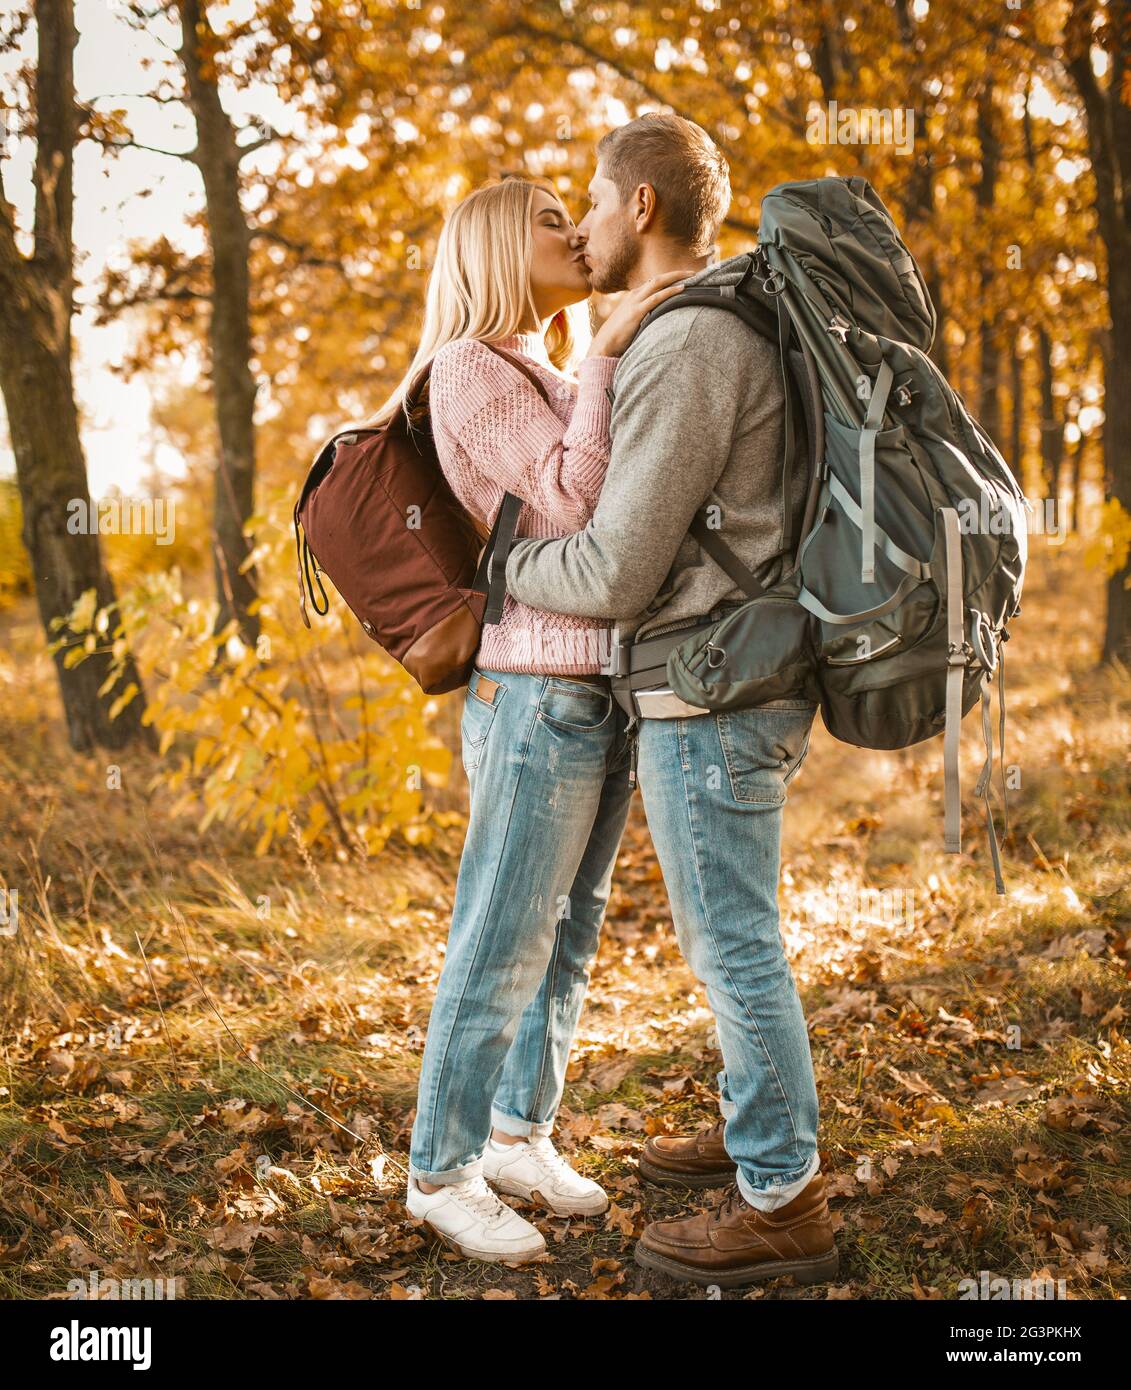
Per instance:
(657,259)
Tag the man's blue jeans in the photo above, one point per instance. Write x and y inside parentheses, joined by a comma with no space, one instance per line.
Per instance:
(713,789)
(548,767)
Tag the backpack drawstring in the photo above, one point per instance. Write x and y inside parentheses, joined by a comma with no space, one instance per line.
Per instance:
(303,558)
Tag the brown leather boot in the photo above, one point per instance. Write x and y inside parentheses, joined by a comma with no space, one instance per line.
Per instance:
(734,1244)
(688,1160)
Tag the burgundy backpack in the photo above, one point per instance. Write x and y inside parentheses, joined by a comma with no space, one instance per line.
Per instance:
(378,516)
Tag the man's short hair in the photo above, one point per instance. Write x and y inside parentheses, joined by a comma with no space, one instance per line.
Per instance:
(682,163)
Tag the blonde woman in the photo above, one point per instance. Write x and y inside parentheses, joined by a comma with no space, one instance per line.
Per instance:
(544,743)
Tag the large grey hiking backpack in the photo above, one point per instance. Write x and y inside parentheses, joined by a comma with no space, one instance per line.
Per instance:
(911,556)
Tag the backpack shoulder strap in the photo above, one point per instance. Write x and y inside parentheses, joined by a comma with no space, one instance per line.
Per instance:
(774,324)
(519,365)
(489,578)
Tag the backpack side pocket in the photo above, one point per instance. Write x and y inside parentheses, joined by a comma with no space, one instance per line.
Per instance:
(762,651)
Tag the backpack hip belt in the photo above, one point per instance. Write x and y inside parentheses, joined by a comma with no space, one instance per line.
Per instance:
(640,674)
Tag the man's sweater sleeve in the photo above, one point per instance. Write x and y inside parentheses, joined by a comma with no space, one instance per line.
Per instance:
(673,424)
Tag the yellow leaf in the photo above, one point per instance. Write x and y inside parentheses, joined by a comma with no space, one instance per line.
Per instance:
(123,699)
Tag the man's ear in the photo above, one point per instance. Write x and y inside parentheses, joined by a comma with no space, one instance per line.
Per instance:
(644,208)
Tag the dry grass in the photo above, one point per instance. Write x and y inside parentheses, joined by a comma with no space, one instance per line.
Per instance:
(179,1113)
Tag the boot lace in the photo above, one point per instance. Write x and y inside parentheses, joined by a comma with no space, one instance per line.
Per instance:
(730,1205)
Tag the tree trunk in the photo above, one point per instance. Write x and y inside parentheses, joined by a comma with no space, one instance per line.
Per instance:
(37,385)
(1052,428)
(218,157)
(1017,414)
(989,401)
(1108,120)
(919,203)
(1076,474)
(1117,445)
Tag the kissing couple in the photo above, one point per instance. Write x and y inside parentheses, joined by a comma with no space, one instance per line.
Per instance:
(612,458)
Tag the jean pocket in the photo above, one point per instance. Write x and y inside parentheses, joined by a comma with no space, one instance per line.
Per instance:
(478,716)
(764,748)
(573,706)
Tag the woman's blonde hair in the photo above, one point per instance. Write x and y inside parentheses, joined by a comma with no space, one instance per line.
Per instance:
(479,287)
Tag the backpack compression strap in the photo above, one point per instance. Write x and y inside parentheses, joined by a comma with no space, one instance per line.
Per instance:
(956,666)
(725,557)
(983,787)
(872,423)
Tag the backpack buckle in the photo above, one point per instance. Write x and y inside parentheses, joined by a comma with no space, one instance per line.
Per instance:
(982,641)
(839,327)
(773,281)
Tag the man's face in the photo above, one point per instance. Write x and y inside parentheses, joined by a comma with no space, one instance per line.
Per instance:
(612,246)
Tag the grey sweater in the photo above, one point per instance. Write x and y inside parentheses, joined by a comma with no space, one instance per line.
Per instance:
(697,420)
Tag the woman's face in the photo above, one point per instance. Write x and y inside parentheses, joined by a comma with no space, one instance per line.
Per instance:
(558,273)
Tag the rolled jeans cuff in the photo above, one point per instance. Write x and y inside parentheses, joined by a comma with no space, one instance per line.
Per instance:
(771,1198)
(450,1175)
(523,1129)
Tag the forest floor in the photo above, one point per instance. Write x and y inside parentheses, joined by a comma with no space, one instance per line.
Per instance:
(189,1032)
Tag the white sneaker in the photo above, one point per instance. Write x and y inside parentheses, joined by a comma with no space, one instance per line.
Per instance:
(469,1216)
(535,1169)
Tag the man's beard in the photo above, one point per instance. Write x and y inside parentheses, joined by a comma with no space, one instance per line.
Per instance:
(622,259)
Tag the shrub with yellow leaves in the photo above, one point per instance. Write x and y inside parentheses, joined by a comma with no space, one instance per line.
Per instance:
(1109,547)
(308,732)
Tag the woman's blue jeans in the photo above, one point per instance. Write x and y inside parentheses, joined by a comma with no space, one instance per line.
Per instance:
(547,763)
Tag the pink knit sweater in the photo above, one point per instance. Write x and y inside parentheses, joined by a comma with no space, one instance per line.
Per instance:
(495,434)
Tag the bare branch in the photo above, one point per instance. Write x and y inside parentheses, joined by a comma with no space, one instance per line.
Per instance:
(307,257)
(138,96)
(273,138)
(190,156)
(157,297)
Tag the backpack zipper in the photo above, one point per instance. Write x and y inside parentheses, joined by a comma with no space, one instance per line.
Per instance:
(859,660)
